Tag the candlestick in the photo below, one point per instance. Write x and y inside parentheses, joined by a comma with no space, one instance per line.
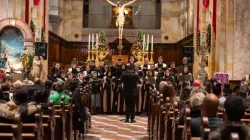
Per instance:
(96,41)
(89,43)
(152,43)
(93,41)
(143,43)
(148,42)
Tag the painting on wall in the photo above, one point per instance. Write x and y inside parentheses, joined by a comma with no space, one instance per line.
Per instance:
(11,48)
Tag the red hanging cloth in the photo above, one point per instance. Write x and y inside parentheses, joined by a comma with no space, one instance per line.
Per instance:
(36,2)
(198,16)
(214,16)
(206,3)
(27,11)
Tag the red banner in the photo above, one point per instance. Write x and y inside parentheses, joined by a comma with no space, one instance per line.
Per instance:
(36,2)
(206,3)
(27,11)
(214,16)
(198,16)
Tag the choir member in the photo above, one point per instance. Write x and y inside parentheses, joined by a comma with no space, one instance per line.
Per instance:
(131,62)
(107,92)
(145,67)
(80,78)
(69,78)
(74,68)
(100,69)
(96,92)
(160,65)
(56,68)
(169,78)
(87,73)
(62,75)
(185,63)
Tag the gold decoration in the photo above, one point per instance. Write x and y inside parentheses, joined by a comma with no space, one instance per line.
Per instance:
(139,55)
(151,58)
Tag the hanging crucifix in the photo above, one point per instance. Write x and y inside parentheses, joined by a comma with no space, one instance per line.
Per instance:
(120,18)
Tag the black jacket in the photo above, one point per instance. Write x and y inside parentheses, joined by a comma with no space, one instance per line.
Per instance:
(130,81)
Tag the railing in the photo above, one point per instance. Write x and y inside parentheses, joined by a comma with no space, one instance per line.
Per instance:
(131,22)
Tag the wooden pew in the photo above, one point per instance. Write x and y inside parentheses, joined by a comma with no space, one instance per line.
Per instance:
(19,130)
(48,123)
(153,114)
(156,124)
(168,119)
(175,121)
(205,130)
(161,127)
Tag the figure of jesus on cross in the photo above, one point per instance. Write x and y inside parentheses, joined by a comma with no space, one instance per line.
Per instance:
(120,18)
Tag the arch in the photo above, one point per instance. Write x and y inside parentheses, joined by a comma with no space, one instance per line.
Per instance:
(28,38)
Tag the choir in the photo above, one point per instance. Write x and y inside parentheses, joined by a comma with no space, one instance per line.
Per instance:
(106,88)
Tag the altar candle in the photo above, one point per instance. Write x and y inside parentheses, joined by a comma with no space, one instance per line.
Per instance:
(143,43)
(89,43)
(147,42)
(96,40)
(93,40)
(152,42)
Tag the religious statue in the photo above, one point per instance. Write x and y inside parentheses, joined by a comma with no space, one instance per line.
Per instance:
(3,59)
(120,18)
(36,67)
(27,63)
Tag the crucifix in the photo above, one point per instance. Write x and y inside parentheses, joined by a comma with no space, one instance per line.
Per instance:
(120,18)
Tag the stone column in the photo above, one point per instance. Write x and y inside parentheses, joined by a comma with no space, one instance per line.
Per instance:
(196,57)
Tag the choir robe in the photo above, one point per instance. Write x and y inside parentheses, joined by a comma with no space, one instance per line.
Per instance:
(145,68)
(160,66)
(171,79)
(138,107)
(107,94)
(95,94)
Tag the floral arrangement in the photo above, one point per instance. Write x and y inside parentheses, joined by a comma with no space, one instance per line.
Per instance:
(102,42)
(198,42)
(208,34)
(138,44)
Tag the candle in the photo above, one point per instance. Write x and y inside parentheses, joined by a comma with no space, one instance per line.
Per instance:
(147,42)
(143,42)
(93,40)
(152,42)
(96,40)
(89,43)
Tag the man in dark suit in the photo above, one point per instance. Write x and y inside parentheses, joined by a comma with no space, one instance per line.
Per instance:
(130,81)
(234,110)
(209,108)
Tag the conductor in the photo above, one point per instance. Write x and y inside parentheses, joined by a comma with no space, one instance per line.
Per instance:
(129,79)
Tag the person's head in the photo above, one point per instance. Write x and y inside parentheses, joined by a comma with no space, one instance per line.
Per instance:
(160,59)
(39,95)
(59,86)
(94,75)
(146,61)
(185,60)
(167,72)
(48,84)
(124,67)
(119,62)
(57,65)
(92,63)
(217,89)
(167,90)
(109,74)
(209,107)
(242,94)
(136,67)
(196,101)
(100,63)
(129,68)
(196,90)
(73,64)
(5,87)
(150,73)
(88,68)
(132,59)
(185,69)
(62,74)
(186,93)
(234,108)
(81,75)
(172,64)
(70,75)
(38,81)
(18,84)
(73,85)
(152,67)
(106,68)
(227,91)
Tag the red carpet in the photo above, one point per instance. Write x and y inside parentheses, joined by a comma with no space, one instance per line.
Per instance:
(109,127)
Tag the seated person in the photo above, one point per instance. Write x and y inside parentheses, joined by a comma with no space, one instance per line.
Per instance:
(40,97)
(209,108)
(17,105)
(234,110)
(6,91)
(218,92)
(56,97)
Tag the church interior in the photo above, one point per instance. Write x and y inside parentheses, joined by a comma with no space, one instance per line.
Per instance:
(124,69)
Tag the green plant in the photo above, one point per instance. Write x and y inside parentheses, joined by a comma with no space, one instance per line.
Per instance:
(138,44)
(102,42)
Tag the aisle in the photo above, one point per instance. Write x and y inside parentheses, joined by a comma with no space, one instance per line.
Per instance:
(109,127)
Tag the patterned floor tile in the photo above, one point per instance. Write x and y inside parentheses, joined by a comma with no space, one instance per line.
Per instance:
(110,127)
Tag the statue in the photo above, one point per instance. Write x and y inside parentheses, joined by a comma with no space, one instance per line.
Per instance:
(3,59)
(36,67)
(120,18)
(27,63)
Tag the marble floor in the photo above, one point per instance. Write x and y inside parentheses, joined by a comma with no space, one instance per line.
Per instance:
(110,127)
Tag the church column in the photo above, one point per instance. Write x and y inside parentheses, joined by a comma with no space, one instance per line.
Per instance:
(196,57)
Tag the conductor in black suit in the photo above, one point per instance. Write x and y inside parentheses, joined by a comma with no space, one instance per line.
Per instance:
(130,81)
